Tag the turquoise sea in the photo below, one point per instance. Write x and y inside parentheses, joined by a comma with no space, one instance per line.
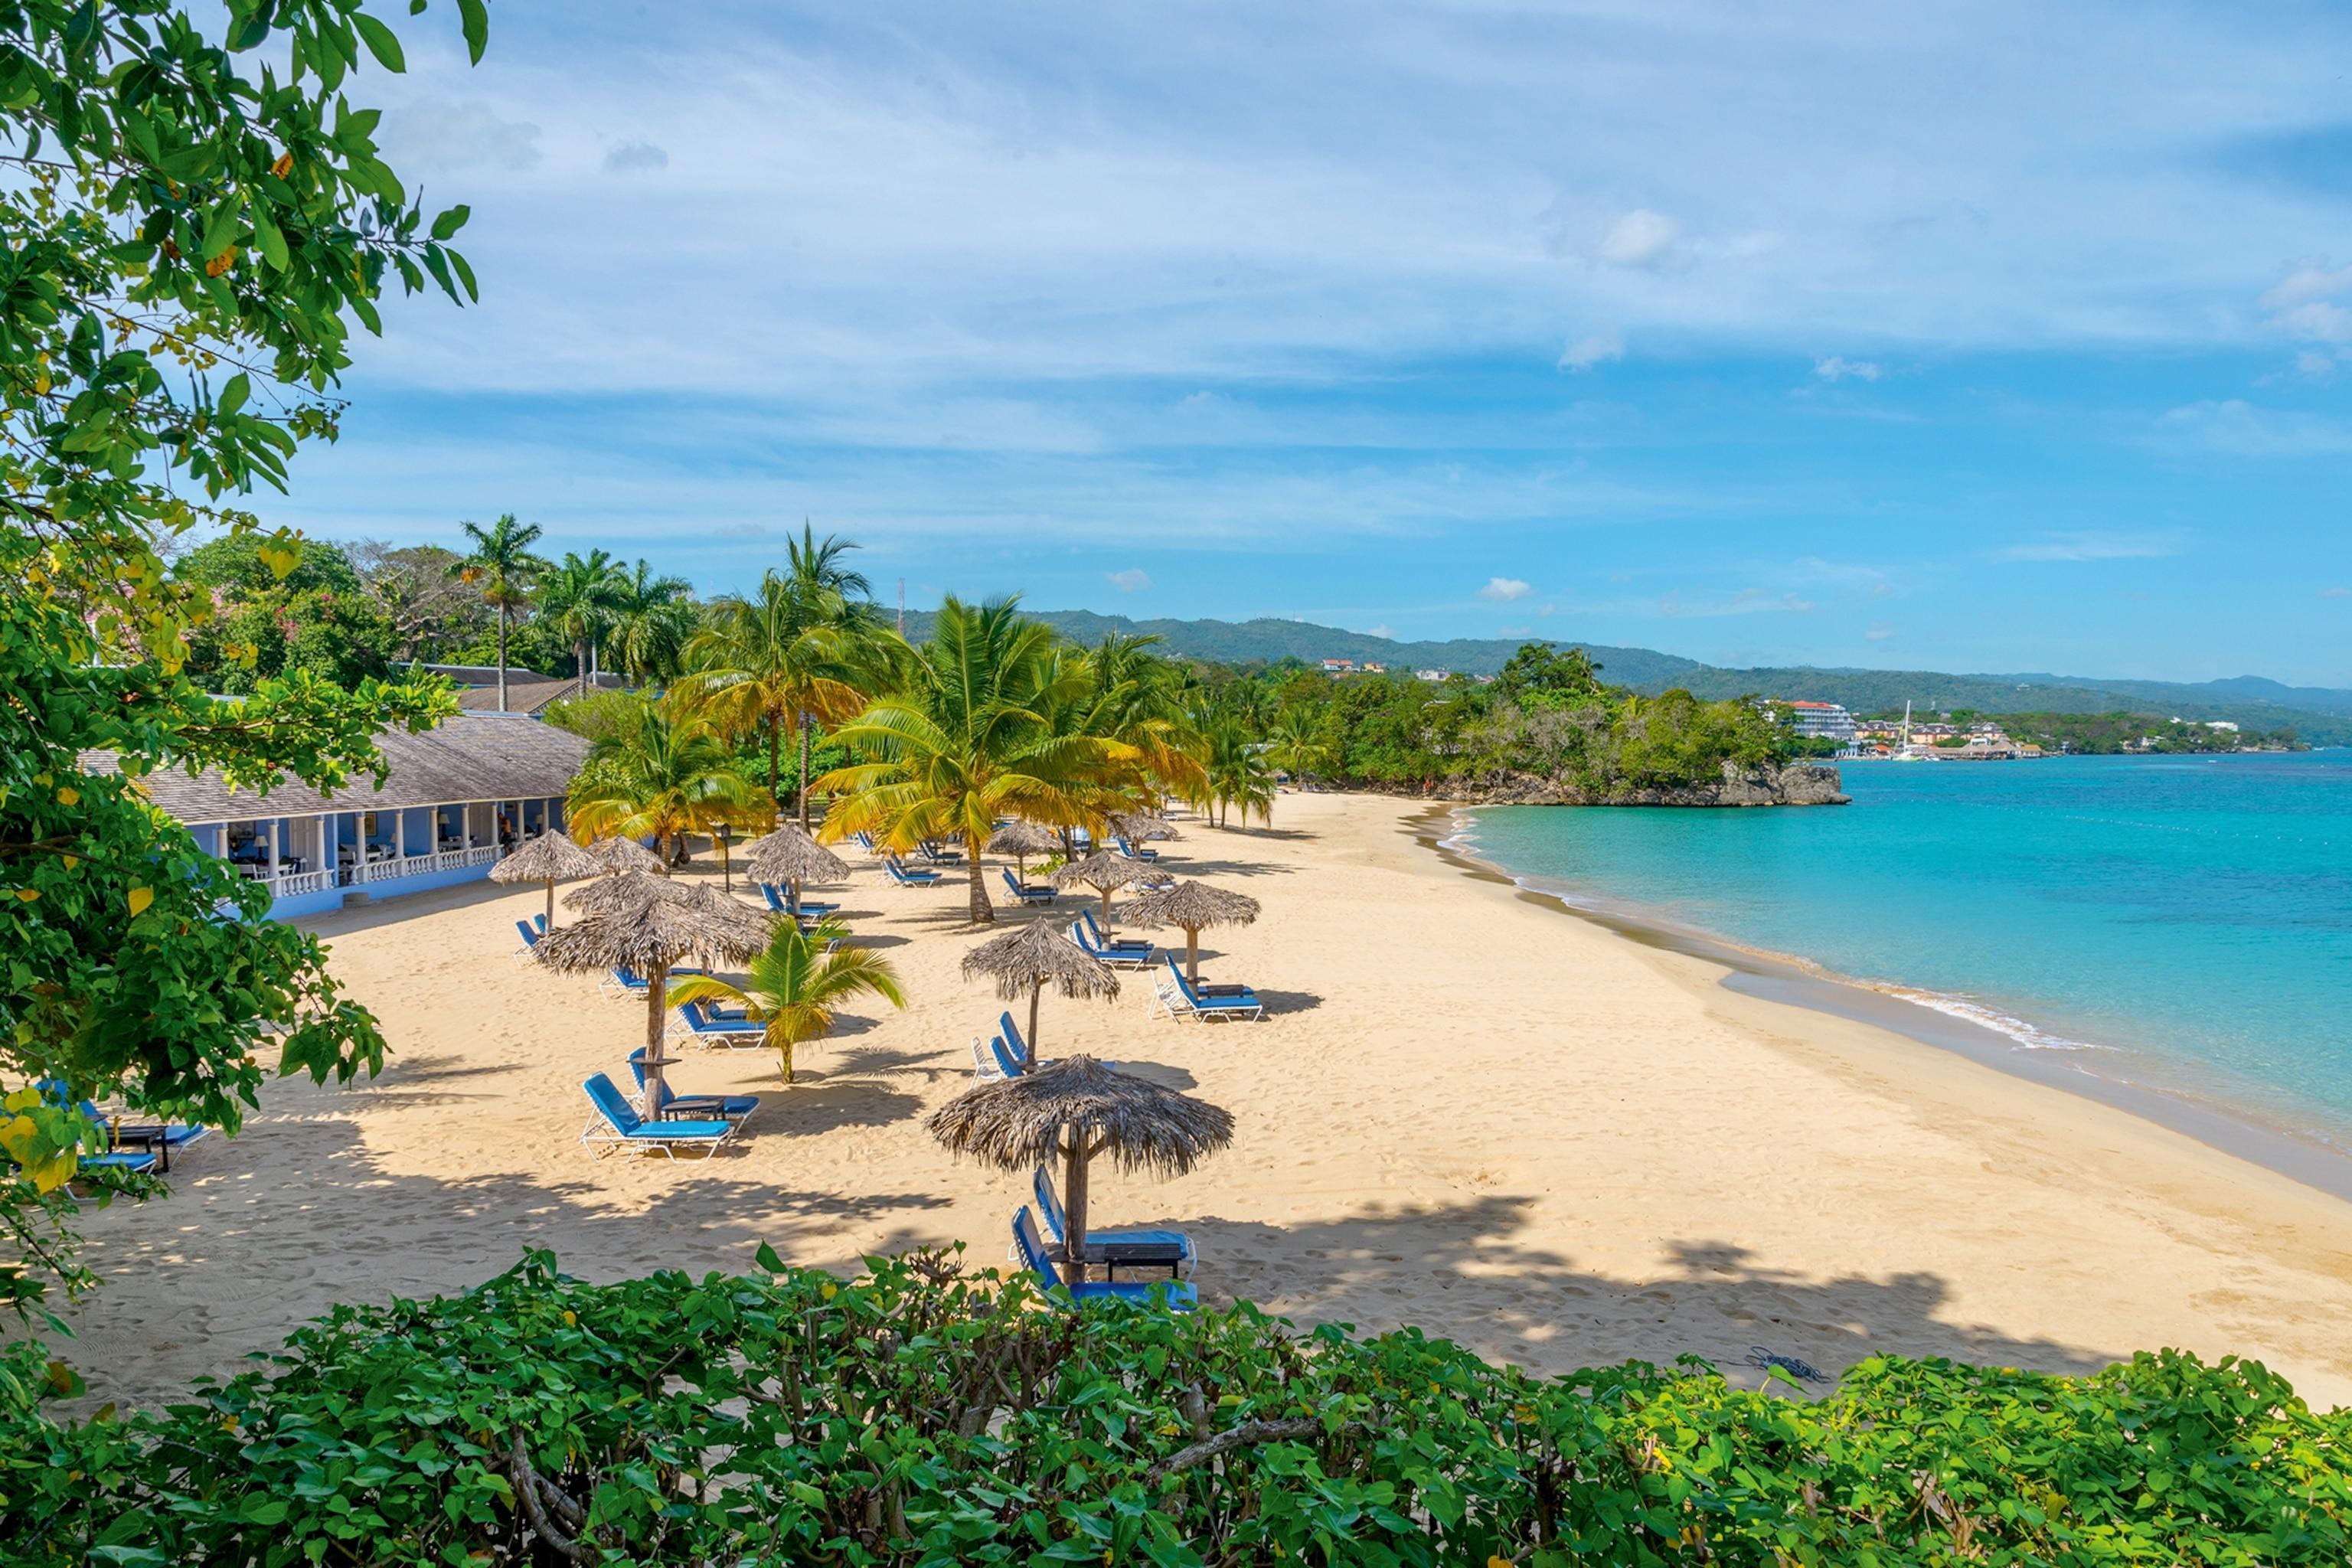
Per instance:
(2183,922)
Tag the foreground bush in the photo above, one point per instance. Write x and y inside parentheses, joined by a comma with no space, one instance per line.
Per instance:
(922,1416)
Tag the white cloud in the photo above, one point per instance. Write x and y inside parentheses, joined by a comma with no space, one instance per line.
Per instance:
(2238,428)
(2092,544)
(1641,238)
(632,156)
(1131,580)
(1597,348)
(1382,630)
(1838,368)
(1502,590)
(1513,631)
(1746,601)
(1879,631)
(2320,320)
(449,135)
(2336,592)
(2310,280)
(1547,611)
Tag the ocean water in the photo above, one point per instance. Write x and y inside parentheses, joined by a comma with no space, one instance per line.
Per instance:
(2185,921)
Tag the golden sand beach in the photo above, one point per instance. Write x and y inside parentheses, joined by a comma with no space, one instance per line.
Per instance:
(1467,1111)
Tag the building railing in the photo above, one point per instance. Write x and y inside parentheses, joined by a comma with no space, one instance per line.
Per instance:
(423,865)
(289,884)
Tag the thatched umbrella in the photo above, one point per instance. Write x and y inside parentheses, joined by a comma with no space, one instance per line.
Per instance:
(1079,1108)
(641,921)
(1141,827)
(1194,906)
(1021,840)
(1027,960)
(1105,871)
(792,857)
(550,858)
(624,855)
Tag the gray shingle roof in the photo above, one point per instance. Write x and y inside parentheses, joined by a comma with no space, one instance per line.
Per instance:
(470,757)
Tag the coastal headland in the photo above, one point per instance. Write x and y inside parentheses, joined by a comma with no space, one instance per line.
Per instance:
(1467,1111)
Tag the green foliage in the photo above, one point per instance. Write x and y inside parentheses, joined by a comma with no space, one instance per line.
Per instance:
(797,984)
(317,619)
(918,1415)
(605,716)
(663,773)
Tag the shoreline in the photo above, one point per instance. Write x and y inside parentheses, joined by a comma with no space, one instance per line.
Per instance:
(1793,980)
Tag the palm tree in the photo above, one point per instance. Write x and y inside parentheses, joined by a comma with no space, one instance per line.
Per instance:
(581,596)
(652,619)
(806,649)
(664,776)
(969,740)
(1237,772)
(503,564)
(1136,698)
(1295,746)
(796,986)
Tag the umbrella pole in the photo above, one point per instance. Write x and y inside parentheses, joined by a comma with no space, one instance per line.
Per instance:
(1074,1200)
(1192,955)
(657,1011)
(1105,920)
(551,903)
(792,897)
(1029,1058)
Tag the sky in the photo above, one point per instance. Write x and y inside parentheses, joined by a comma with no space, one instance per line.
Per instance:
(1981,337)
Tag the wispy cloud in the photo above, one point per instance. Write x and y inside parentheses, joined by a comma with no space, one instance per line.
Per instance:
(1879,631)
(1746,601)
(2336,592)
(1502,590)
(2239,428)
(2094,545)
(1836,367)
(1598,348)
(1133,579)
(633,157)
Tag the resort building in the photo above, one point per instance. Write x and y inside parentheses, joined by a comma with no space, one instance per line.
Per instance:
(456,798)
(1822,721)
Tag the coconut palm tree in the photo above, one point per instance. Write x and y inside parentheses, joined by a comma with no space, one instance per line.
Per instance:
(581,598)
(806,649)
(1294,745)
(503,567)
(652,619)
(1237,772)
(1136,698)
(664,775)
(969,740)
(795,987)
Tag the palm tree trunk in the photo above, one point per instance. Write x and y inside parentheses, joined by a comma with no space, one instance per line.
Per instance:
(771,756)
(1029,1042)
(580,665)
(656,1015)
(983,911)
(805,789)
(502,659)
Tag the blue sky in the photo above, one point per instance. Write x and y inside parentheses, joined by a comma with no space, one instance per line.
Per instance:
(1984,337)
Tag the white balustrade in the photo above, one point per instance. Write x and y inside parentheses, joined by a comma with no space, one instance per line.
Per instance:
(423,865)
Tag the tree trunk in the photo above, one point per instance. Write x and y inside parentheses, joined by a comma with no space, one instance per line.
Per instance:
(771,756)
(805,789)
(983,911)
(1192,957)
(726,871)
(502,659)
(656,1015)
(580,665)
(1074,1202)
(1029,1042)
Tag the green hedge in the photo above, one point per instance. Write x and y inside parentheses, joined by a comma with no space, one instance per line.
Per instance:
(921,1415)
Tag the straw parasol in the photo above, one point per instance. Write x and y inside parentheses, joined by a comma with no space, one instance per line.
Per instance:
(1105,871)
(792,857)
(1195,906)
(643,922)
(1078,1107)
(1021,840)
(1141,827)
(1025,962)
(624,855)
(550,858)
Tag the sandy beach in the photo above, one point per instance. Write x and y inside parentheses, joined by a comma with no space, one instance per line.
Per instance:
(1467,1111)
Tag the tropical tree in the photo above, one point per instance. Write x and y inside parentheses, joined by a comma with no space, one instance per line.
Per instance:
(663,775)
(579,599)
(1237,772)
(503,568)
(806,649)
(1294,745)
(798,984)
(652,619)
(969,740)
(1136,699)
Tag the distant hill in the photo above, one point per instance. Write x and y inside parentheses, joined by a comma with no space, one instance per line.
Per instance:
(2320,714)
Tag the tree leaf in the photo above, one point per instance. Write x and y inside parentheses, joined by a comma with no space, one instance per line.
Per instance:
(381,42)
(476,17)
(450,221)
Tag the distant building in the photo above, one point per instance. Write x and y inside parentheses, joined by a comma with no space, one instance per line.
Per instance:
(1817,720)
(1430,674)
(1339,667)
(1373,666)
(2222,724)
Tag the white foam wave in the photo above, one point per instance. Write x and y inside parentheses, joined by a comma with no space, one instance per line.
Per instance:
(2029,1036)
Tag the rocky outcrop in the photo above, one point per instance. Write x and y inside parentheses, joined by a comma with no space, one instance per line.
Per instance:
(1798,784)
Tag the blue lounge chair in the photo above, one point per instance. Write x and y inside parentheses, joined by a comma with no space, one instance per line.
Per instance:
(1179,998)
(1028,894)
(618,1125)
(905,878)
(939,854)
(1108,943)
(1179,1293)
(700,1025)
(735,1107)
(1008,1059)
(531,935)
(540,922)
(1132,853)
(809,909)
(1128,955)
(152,1143)
(865,840)
(1129,1247)
(626,982)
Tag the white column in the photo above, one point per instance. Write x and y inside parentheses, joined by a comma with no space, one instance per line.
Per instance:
(273,850)
(400,834)
(466,826)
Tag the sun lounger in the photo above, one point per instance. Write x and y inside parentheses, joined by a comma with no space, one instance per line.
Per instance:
(616,1125)
(136,1146)
(531,935)
(735,1107)
(1108,943)
(1179,1294)
(625,981)
(939,854)
(1038,893)
(809,910)
(1179,998)
(987,1065)
(905,877)
(1008,1057)
(1133,956)
(1128,1247)
(865,842)
(1132,852)
(698,1025)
